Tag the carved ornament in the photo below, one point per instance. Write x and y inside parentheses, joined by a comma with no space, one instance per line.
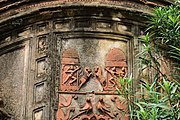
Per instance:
(64,103)
(72,80)
(71,70)
(115,67)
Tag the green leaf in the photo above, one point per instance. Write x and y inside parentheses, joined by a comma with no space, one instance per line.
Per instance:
(174,89)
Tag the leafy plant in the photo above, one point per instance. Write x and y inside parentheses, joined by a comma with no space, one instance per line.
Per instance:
(164,26)
(157,98)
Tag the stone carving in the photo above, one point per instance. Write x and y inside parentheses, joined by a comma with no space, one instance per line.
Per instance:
(41,68)
(42,44)
(64,103)
(116,67)
(70,70)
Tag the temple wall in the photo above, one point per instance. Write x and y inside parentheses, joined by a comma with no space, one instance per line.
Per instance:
(12,81)
(41,43)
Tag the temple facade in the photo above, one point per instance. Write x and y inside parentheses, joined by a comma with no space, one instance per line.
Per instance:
(62,59)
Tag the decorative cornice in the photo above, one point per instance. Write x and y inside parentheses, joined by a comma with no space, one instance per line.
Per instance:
(19,13)
(12,8)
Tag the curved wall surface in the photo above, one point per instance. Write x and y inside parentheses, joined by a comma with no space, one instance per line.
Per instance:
(60,59)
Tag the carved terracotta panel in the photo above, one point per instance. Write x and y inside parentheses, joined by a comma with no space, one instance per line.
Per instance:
(116,67)
(92,107)
(64,102)
(70,70)
(79,97)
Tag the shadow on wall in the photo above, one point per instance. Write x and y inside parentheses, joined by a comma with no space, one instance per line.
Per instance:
(4,115)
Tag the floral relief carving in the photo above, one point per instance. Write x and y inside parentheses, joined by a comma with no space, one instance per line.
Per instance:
(64,103)
(102,109)
(98,110)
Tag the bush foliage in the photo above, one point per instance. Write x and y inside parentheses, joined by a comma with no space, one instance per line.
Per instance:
(160,98)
